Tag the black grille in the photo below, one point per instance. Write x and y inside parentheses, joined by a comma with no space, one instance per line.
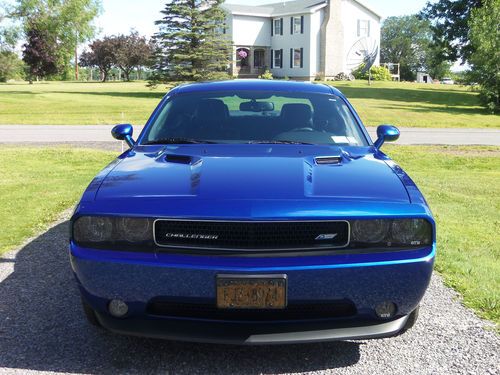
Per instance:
(295,311)
(268,235)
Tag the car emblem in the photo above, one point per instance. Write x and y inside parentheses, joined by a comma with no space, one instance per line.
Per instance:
(192,236)
(328,236)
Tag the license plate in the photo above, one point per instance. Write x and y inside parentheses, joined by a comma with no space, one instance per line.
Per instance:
(251,292)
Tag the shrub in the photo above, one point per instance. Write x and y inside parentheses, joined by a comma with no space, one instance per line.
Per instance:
(218,76)
(379,73)
(266,75)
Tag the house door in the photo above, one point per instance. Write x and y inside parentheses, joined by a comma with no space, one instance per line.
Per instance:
(242,61)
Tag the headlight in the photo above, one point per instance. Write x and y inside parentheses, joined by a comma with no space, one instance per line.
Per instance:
(134,230)
(391,233)
(104,232)
(371,231)
(410,231)
(93,229)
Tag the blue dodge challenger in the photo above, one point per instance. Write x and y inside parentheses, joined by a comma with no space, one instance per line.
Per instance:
(253,212)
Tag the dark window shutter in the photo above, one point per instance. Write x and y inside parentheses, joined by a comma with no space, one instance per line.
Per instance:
(302,24)
(272,59)
(281,23)
(272,27)
(291,57)
(281,58)
(291,24)
(302,57)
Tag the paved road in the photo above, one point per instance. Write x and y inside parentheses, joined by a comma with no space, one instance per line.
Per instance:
(42,330)
(101,133)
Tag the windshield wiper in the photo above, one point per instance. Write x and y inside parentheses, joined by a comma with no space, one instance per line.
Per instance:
(272,142)
(181,141)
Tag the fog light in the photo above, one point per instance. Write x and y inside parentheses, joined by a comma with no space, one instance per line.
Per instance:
(385,310)
(117,308)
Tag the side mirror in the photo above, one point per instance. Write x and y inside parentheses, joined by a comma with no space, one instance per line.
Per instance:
(386,133)
(124,132)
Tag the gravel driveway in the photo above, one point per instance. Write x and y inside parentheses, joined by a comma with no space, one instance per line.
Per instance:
(42,329)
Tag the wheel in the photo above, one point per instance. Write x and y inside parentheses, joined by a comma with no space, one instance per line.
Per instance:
(90,314)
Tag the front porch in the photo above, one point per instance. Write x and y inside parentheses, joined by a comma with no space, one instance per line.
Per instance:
(250,61)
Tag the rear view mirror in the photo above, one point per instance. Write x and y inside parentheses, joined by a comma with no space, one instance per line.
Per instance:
(255,106)
(386,133)
(124,132)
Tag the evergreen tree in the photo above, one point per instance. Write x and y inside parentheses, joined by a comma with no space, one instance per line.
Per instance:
(191,43)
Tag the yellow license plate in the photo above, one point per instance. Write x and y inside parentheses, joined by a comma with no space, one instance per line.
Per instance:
(260,292)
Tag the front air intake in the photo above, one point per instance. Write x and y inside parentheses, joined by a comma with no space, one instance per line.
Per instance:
(328,160)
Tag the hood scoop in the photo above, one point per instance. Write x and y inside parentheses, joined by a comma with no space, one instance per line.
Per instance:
(179,159)
(328,160)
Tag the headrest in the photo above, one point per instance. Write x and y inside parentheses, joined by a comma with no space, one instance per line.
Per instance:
(296,113)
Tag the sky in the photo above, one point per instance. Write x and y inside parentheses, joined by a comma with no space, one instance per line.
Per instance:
(120,16)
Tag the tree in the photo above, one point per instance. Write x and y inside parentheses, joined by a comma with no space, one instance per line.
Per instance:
(70,22)
(405,40)
(191,43)
(101,55)
(450,25)
(485,58)
(131,51)
(40,53)
(11,66)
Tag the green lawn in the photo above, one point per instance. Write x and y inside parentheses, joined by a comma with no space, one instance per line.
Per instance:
(402,104)
(462,187)
(36,185)
(417,105)
(460,183)
(72,103)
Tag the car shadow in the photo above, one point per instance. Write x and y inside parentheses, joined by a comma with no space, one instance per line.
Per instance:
(43,328)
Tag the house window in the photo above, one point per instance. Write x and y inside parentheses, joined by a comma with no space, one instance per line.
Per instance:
(278,58)
(297,25)
(363,28)
(258,58)
(278,27)
(297,57)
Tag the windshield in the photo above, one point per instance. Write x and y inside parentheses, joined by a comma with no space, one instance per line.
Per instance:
(255,117)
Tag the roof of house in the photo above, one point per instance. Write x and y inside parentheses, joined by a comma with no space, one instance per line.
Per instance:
(284,8)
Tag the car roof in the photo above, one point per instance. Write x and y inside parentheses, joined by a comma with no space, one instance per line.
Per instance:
(257,85)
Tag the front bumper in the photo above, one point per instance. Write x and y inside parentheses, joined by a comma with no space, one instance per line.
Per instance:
(366,281)
(250,333)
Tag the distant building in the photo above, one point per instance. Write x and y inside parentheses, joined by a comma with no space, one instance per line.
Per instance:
(303,38)
(423,77)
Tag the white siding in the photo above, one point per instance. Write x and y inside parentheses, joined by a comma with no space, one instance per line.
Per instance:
(353,12)
(288,41)
(251,31)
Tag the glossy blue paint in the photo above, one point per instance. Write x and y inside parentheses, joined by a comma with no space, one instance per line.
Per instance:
(124,132)
(386,133)
(254,182)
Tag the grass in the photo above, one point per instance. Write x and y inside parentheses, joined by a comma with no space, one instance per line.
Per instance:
(36,185)
(462,187)
(401,104)
(460,183)
(73,103)
(417,105)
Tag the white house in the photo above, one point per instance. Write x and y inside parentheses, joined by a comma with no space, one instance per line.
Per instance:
(303,38)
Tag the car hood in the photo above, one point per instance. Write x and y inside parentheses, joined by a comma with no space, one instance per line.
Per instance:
(251,172)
